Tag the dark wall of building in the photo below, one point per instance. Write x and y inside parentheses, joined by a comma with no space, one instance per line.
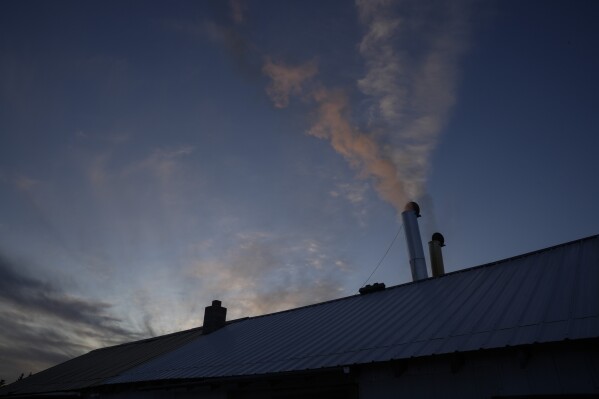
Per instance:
(567,369)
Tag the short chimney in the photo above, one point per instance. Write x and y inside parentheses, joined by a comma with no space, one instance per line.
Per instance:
(410,217)
(434,248)
(215,317)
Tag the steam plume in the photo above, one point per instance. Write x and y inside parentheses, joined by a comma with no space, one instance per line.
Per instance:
(360,150)
(411,52)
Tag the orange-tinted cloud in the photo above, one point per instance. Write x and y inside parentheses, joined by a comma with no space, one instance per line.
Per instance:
(359,149)
(411,54)
(267,272)
(287,80)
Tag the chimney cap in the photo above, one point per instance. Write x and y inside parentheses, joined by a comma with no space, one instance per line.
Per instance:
(439,238)
(412,206)
(216,303)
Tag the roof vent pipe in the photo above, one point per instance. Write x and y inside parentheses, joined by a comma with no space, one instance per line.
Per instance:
(436,255)
(215,317)
(410,217)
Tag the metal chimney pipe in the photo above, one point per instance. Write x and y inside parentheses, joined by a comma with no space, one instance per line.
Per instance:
(434,248)
(410,217)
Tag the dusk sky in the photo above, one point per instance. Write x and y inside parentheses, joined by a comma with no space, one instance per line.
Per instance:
(157,155)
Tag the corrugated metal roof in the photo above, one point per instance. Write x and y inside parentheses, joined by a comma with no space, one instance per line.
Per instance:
(96,366)
(545,296)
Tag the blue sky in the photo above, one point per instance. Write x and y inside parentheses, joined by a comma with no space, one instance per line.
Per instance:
(156,156)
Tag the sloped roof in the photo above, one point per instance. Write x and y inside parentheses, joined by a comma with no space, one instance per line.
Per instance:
(546,296)
(98,365)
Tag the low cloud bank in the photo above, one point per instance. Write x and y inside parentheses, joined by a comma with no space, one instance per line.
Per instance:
(43,325)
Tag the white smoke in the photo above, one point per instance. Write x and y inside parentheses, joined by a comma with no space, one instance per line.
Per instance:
(411,52)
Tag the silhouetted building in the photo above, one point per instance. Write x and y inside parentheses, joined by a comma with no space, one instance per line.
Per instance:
(520,327)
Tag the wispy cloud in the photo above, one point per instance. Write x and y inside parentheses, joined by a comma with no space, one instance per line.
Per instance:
(19,181)
(237,10)
(113,138)
(162,162)
(355,194)
(286,80)
(161,170)
(17,82)
(262,273)
(129,211)
(226,31)
(44,325)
